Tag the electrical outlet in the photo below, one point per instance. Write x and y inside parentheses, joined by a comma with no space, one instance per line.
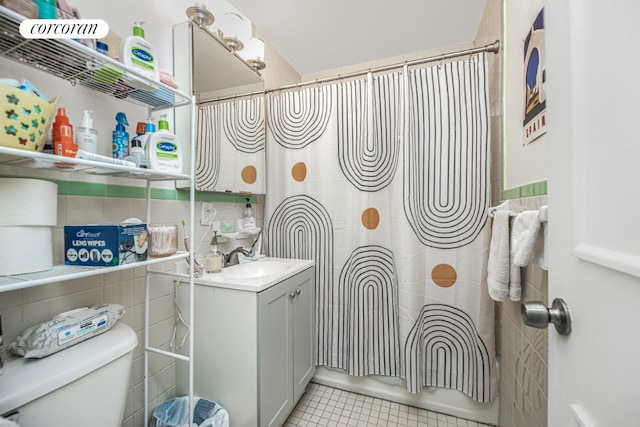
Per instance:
(208,213)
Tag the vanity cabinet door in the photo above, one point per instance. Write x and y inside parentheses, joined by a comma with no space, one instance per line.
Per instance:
(304,332)
(286,345)
(275,354)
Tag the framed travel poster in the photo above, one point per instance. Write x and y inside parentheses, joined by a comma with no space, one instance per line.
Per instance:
(524,121)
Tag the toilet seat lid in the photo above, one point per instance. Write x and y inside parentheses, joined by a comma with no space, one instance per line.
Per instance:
(25,380)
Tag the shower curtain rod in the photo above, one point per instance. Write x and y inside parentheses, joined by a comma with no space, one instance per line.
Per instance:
(491,48)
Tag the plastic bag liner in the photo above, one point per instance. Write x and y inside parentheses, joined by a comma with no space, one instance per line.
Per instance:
(175,413)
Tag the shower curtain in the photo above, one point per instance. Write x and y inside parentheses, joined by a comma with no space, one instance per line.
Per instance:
(384,182)
(231,146)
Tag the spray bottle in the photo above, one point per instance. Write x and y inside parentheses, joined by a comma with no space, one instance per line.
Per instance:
(121,137)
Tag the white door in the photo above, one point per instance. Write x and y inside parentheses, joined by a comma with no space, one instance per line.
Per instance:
(593,100)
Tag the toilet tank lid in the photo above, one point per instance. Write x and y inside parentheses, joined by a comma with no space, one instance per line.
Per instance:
(25,380)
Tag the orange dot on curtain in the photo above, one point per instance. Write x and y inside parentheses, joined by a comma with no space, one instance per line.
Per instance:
(370,218)
(444,275)
(249,174)
(299,171)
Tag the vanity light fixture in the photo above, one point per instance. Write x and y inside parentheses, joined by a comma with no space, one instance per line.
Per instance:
(200,15)
(253,53)
(233,29)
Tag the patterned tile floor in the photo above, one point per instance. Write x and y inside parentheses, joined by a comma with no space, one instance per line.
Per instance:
(324,406)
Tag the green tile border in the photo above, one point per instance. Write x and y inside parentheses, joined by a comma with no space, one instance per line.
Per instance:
(529,190)
(96,189)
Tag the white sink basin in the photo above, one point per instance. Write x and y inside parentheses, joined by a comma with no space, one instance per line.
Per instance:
(256,269)
(255,275)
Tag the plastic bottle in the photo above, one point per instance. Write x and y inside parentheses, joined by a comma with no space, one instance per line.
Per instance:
(213,260)
(137,146)
(149,128)
(63,144)
(121,137)
(86,135)
(248,218)
(138,54)
(47,9)
(164,151)
(60,120)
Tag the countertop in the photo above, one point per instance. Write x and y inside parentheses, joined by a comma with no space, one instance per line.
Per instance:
(253,284)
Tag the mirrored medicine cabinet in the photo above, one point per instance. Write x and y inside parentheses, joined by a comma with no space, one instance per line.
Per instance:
(230,122)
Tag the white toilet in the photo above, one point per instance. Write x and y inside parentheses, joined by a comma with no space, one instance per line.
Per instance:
(83,385)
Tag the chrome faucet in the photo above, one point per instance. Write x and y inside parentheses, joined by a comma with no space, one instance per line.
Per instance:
(232,257)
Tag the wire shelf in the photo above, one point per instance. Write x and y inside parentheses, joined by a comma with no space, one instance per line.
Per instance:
(36,160)
(80,65)
(61,273)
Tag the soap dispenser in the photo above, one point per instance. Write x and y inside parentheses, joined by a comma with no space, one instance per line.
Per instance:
(213,261)
(248,218)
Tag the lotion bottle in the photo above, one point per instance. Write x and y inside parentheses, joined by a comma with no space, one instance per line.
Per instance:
(164,151)
(86,135)
(139,55)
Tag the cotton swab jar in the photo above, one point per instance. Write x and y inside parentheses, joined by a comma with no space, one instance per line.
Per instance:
(163,240)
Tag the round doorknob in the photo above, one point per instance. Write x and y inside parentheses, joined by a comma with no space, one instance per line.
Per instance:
(537,315)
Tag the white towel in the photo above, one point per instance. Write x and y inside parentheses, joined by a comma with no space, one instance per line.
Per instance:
(540,253)
(499,253)
(523,239)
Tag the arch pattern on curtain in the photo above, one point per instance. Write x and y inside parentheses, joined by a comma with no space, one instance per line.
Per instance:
(296,119)
(444,349)
(209,150)
(301,227)
(446,188)
(368,131)
(244,123)
(368,313)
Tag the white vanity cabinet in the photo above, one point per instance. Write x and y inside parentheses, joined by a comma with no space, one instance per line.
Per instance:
(255,346)
(287,345)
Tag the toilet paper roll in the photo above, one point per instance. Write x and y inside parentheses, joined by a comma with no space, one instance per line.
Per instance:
(28,202)
(25,250)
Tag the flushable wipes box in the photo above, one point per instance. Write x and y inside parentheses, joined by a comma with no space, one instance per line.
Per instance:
(105,245)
